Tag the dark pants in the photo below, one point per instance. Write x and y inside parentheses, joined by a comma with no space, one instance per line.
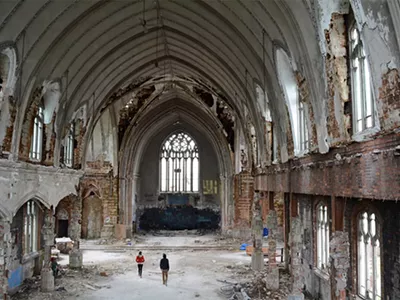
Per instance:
(140,269)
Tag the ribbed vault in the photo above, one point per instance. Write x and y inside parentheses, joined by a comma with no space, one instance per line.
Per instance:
(95,47)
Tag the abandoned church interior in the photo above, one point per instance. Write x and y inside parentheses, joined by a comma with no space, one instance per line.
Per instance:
(274,123)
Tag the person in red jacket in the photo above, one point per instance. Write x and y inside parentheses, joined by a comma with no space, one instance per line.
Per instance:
(140,262)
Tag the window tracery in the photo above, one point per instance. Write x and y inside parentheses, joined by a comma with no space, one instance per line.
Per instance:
(362,95)
(179,167)
(369,256)
(322,237)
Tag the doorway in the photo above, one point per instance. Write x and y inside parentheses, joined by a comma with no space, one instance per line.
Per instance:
(62,228)
(92,217)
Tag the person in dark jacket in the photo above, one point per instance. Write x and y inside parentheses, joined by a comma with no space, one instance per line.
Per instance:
(164,266)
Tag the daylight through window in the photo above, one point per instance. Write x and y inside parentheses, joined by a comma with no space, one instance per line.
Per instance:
(322,236)
(179,165)
(69,147)
(363,101)
(369,257)
(37,137)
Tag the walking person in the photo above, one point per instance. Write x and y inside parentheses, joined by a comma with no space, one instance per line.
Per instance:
(140,262)
(164,266)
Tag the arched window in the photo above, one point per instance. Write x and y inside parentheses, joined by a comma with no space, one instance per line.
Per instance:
(362,95)
(179,167)
(69,147)
(322,236)
(37,137)
(369,256)
(263,103)
(296,108)
(31,227)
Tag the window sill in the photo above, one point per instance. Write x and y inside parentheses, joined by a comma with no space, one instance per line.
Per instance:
(321,274)
(29,257)
(365,135)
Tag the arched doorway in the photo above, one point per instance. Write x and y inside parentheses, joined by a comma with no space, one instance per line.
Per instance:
(92,217)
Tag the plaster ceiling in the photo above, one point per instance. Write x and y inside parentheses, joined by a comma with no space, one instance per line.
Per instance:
(97,46)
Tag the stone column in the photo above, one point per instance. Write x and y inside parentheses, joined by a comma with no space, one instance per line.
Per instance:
(339,249)
(4,254)
(272,280)
(257,257)
(224,203)
(75,256)
(295,247)
(48,237)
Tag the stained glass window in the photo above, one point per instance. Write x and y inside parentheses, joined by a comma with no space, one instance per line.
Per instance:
(179,166)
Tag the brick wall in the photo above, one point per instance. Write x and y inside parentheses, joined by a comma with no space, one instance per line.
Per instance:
(244,193)
(80,131)
(105,187)
(27,126)
(362,170)
(10,128)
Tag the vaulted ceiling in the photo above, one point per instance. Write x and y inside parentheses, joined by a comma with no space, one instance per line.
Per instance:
(99,46)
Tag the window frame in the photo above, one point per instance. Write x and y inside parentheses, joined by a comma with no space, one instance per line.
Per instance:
(36,150)
(322,244)
(378,237)
(299,126)
(173,157)
(30,227)
(360,98)
(69,147)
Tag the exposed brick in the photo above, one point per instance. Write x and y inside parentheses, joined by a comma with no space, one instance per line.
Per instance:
(389,96)
(365,170)
(336,76)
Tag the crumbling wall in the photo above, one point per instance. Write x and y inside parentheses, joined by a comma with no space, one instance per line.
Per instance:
(100,194)
(391,248)
(80,130)
(304,94)
(336,61)
(27,125)
(244,192)
(389,96)
(352,171)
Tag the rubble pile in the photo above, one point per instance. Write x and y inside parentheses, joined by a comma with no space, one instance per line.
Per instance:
(256,287)
(252,285)
(69,285)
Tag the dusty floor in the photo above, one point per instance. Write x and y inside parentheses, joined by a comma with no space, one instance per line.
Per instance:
(194,274)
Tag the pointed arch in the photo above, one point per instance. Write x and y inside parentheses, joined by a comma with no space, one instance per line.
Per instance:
(179,163)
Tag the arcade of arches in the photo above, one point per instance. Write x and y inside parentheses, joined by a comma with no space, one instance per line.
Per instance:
(118,117)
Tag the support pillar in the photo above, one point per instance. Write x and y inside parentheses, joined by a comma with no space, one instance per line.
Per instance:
(5,237)
(298,280)
(339,249)
(272,280)
(47,278)
(297,268)
(75,256)
(257,257)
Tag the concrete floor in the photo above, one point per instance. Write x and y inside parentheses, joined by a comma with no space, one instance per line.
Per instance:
(194,274)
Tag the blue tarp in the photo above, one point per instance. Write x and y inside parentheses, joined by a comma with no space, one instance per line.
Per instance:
(243,246)
(265,232)
(15,278)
